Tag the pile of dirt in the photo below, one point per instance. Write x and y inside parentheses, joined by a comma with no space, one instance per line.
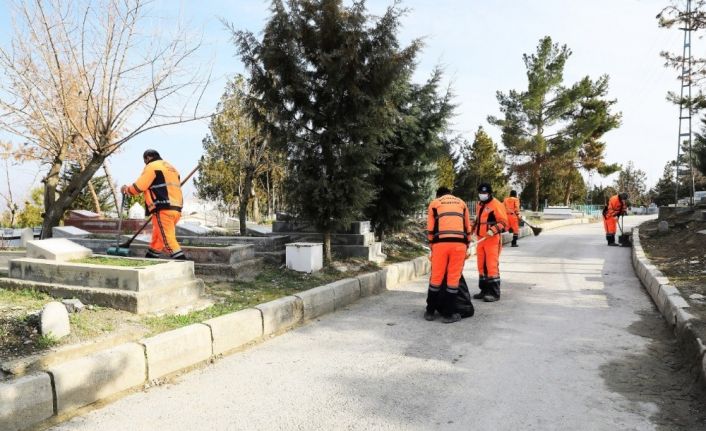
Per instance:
(680,253)
(408,244)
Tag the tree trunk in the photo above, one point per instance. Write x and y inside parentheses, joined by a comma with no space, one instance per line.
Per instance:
(51,181)
(327,247)
(536,180)
(567,193)
(113,190)
(57,207)
(244,201)
(92,191)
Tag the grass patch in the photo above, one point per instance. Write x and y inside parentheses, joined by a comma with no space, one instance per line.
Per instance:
(116,261)
(270,284)
(25,298)
(46,341)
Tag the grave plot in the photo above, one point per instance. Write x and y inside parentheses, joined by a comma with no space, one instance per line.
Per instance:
(213,259)
(355,241)
(63,268)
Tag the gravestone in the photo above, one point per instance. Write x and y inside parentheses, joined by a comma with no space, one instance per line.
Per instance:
(663,226)
(68,232)
(26,236)
(54,320)
(59,249)
(191,229)
(136,212)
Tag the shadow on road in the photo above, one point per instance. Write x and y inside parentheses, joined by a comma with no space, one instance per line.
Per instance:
(660,374)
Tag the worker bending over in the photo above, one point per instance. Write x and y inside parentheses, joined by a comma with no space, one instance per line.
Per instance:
(617,206)
(161,185)
(491,221)
(449,233)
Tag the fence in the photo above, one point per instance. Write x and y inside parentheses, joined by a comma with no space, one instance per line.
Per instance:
(589,210)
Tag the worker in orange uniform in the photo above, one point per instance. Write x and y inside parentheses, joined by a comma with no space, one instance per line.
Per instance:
(449,232)
(491,221)
(161,185)
(512,208)
(617,206)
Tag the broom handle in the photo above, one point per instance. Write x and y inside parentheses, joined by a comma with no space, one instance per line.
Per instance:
(127,244)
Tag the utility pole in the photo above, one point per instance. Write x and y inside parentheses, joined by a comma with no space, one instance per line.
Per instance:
(685,111)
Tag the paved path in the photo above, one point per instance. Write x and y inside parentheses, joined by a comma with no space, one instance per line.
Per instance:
(574,344)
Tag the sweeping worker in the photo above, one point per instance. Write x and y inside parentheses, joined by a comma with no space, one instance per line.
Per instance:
(491,221)
(449,233)
(617,206)
(512,208)
(161,185)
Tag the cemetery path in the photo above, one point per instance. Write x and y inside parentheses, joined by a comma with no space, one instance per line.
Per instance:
(575,343)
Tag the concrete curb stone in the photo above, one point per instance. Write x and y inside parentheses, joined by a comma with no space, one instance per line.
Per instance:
(180,348)
(27,400)
(86,380)
(317,301)
(670,303)
(281,314)
(346,291)
(372,283)
(233,330)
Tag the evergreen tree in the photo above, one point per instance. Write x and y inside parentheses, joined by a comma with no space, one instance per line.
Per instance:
(236,154)
(85,199)
(548,126)
(482,162)
(405,170)
(633,181)
(323,78)
(663,192)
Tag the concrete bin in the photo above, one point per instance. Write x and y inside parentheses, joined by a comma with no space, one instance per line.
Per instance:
(305,256)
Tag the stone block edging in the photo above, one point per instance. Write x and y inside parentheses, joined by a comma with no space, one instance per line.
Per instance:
(671,305)
(66,387)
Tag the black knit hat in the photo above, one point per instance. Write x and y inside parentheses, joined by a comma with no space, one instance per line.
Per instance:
(485,188)
(153,154)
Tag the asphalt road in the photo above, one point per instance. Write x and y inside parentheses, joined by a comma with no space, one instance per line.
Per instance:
(574,344)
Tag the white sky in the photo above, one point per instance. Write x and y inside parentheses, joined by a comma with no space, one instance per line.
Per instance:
(480,43)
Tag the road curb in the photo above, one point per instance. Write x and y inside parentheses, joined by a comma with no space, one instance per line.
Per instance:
(85,380)
(671,305)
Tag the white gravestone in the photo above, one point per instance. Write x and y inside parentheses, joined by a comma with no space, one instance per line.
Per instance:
(26,236)
(68,232)
(136,212)
(54,320)
(59,249)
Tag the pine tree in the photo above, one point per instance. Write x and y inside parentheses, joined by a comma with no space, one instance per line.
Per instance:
(85,199)
(482,162)
(236,154)
(549,125)
(405,170)
(323,77)
(663,192)
(633,181)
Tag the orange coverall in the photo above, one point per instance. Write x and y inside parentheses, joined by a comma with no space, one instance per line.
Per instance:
(490,216)
(160,183)
(512,208)
(449,232)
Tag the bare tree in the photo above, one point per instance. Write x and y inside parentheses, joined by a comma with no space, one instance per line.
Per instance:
(86,77)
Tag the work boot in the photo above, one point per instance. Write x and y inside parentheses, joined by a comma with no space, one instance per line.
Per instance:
(454,317)
(152,254)
(429,315)
(179,255)
(514,241)
(493,290)
(611,240)
(482,285)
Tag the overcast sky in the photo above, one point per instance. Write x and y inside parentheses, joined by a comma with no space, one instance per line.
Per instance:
(480,44)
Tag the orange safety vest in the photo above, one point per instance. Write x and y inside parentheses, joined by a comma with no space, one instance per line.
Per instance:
(490,215)
(448,220)
(161,184)
(615,206)
(512,206)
